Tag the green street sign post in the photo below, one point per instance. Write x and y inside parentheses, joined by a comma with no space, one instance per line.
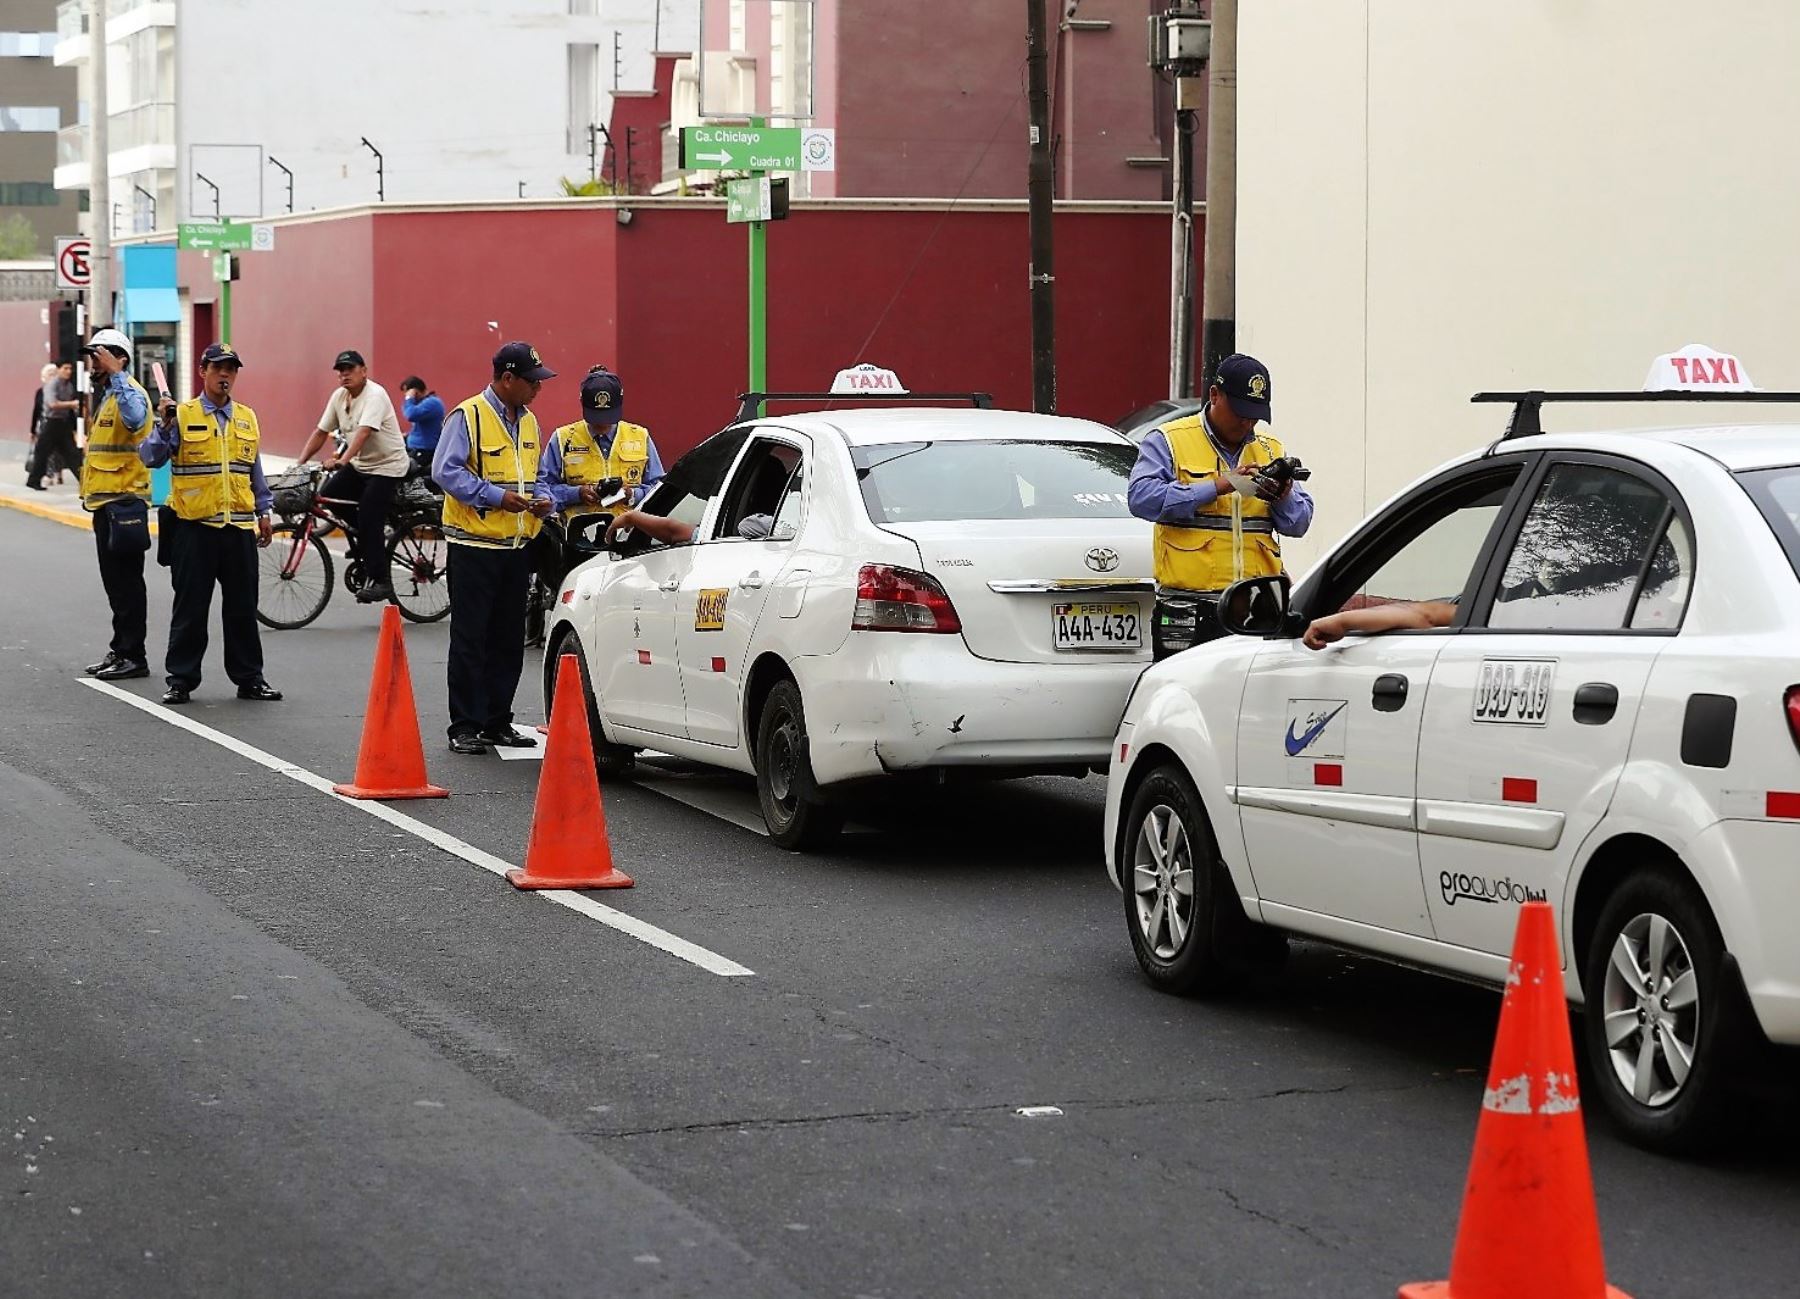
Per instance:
(222,239)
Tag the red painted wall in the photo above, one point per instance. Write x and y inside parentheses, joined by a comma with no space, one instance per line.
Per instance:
(938,296)
(24,351)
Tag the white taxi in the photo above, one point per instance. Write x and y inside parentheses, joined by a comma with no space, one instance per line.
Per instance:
(1610,720)
(870,592)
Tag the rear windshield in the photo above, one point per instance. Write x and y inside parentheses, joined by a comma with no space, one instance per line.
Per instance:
(916,482)
(1777,494)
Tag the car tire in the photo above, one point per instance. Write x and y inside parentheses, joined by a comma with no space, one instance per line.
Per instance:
(610,760)
(1175,930)
(1678,990)
(797,818)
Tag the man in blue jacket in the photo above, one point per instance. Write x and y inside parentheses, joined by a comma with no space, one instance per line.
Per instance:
(424,411)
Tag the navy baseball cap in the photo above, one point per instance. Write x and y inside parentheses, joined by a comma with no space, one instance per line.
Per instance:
(523,360)
(602,396)
(348,359)
(220,352)
(1245,382)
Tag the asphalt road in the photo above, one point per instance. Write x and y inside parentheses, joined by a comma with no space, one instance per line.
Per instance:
(255,1041)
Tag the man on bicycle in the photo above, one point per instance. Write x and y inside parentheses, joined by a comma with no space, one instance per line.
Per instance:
(368,469)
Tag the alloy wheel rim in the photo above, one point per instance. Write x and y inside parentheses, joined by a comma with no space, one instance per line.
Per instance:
(1651,1004)
(1162,881)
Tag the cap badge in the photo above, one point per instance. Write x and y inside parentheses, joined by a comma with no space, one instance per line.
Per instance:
(602,399)
(1258,386)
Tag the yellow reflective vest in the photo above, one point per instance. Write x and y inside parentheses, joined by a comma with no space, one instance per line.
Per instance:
(111,469)
(583,463)
(495,458)
(1228,540)
(210,470)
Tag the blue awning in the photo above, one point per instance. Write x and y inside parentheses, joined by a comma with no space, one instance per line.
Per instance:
(150,306)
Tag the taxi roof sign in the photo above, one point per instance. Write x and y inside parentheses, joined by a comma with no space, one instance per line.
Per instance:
(866,379)
(1698,368)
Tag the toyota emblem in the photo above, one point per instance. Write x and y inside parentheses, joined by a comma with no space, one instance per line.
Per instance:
(1102,559)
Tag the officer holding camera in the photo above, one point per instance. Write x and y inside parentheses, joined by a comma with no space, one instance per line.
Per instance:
(1220,494)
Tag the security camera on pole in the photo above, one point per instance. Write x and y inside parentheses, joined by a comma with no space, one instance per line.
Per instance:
(1187,48)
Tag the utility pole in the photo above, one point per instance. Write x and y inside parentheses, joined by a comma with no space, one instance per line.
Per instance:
(1218,332)
(1042,210)
(1181,45)
(100,309)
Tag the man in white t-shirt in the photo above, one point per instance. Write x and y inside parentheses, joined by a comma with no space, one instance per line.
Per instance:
(361,416)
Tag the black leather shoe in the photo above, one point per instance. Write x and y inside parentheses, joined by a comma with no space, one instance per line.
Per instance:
(467,743)
(507,738)
(262,690)
(122,670)
(176,695)
(94,669)
(375,594)
(37,487)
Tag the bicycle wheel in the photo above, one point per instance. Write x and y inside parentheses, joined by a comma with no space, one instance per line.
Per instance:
(419,559)
(294,581)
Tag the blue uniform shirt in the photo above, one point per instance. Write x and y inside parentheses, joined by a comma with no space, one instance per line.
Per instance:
(450,462)
(160,443)
(134,405)
(550,468)
(1154,494)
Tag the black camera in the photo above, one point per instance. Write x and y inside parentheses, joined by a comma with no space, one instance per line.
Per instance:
(1283,470)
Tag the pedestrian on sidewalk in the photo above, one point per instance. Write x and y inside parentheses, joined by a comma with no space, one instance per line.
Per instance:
(424,410)
(487,464)
(219,515)
(371,465)
(37,409)
(115,489)
(56,437)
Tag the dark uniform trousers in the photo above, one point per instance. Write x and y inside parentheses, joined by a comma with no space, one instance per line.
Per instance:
(123,578)
(374,495)
(199,557)
(487,634)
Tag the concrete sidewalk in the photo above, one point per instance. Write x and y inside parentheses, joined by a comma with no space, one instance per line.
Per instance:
(63,504)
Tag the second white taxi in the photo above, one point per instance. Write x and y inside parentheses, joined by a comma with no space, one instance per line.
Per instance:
(870,592)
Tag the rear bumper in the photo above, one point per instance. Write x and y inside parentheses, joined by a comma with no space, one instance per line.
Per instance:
(886,703)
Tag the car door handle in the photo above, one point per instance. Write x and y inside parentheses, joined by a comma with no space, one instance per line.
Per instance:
(1595,703)
(1389,693)
(672,584)
(750,582)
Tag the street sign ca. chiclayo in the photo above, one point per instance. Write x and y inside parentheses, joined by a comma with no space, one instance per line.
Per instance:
(758,148)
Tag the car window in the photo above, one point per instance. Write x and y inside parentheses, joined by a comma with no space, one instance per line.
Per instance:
(1777,494)
(1664,596)
(765,478)
(692,482)
(913,482)
(1590,540)
(1433,553)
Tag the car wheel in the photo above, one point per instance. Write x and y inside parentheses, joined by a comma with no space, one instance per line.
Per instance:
(1656,1028)
(796,817)
(1172,877)
(609,759)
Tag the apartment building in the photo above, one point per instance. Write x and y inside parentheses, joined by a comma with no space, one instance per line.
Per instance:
(246,108)
(37,100)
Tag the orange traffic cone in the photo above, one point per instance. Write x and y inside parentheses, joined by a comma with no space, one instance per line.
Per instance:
(1529,1229)
(568,848)
(391,761)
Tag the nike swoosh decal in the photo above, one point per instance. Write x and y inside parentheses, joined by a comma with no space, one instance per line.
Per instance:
(1298,744)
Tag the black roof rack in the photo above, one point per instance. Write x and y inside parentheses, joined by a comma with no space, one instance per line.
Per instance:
(749,403)
(1527,405)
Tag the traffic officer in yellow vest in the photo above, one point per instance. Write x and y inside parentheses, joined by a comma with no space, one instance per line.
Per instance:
(1202,480)
(487,463)
(579,457)
(115,489)
(217,516)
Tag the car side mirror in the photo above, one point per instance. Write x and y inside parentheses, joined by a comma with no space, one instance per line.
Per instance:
(1258,606)
(587,537)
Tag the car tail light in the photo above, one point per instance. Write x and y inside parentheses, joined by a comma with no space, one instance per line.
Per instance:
(1793,713)
(898,599)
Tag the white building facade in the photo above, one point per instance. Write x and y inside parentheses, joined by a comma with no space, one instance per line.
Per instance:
(215,103)
(1435,199)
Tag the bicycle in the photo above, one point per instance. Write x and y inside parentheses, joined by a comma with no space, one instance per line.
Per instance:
(296,577)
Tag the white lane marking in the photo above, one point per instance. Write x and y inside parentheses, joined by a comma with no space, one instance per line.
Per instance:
(642,930)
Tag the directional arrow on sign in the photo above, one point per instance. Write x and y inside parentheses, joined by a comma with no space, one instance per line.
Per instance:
(722,158)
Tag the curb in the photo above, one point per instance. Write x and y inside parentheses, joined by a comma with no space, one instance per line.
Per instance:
(48,512)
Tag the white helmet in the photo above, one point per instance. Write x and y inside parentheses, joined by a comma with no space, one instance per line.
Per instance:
(109,338)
